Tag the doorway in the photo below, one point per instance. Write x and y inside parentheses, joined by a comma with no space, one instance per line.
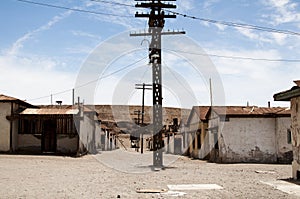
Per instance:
(49,136)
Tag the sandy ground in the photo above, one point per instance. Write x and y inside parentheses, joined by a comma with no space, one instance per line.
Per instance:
(24,176)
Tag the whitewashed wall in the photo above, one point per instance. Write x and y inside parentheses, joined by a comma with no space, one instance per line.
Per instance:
(5,110)
(248,140)
(284,149)
(87,134)
(66,143)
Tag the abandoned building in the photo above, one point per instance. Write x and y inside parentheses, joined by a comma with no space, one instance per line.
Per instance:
(293,95)
(52,129)
(239,134)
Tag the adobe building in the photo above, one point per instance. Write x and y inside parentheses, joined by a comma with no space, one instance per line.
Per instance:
(26,128)
(293,95)
(233,134)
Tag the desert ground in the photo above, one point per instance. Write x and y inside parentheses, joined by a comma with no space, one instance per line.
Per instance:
(119,174)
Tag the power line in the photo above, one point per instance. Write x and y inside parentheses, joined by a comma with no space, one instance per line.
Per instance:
(239,25)
(181,84)
(73,9)
(110,74)
(232,24)
(113,3)
(90,82)
(226,23)
(235,57)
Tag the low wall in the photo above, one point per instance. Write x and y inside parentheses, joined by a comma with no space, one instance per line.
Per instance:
(29,142)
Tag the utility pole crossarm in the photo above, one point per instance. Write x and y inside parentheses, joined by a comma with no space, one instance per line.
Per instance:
(146,15)
(162,33)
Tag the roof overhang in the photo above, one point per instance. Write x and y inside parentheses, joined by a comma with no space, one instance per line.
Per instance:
(287,95)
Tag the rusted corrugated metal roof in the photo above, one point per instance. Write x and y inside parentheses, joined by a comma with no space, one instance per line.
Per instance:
(239,111)
(53,111)
(7,98)
(202,111)
(250,110)
(86,108)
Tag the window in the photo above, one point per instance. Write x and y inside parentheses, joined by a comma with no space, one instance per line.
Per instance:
(289,136)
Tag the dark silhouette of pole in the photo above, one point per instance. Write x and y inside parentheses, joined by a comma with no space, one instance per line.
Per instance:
(143,87)
(156,24)
(138,113)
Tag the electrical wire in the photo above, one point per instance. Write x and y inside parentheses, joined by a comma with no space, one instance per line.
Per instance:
(181,84)
(73,9)
(239,25)
(235,57)
(226,23)
(113,3)
(232,24)
(90,82)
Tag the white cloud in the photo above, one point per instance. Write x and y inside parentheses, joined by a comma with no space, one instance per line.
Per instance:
(124,15)
(258,37)
(185,5)
(33,76)
(18,45)
(285,11)
(253,81)
(28,78)
(221,27)
(280,38)
(85,34)
(208,3)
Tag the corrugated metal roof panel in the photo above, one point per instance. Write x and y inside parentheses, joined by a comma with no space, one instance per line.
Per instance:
(202,111)
(249,110)
(7,98)
(56,111)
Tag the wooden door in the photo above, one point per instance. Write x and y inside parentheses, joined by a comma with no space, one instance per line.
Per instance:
(49,136)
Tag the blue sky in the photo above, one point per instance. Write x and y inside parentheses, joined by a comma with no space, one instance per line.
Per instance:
(43,49)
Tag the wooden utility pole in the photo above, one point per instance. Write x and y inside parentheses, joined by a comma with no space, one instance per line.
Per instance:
(138,113)
(143,87)
(156,24)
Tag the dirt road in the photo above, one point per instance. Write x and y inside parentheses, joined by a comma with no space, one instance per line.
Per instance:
(24,176)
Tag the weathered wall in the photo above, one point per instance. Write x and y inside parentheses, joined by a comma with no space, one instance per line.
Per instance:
(15,127)
(29,143)
(204,152)
(87,134)
(248,140)
(169,144)
(66,143)
(295,115)
(214,126)
(191,135)
(98,136)
(5,110)
(284,149)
